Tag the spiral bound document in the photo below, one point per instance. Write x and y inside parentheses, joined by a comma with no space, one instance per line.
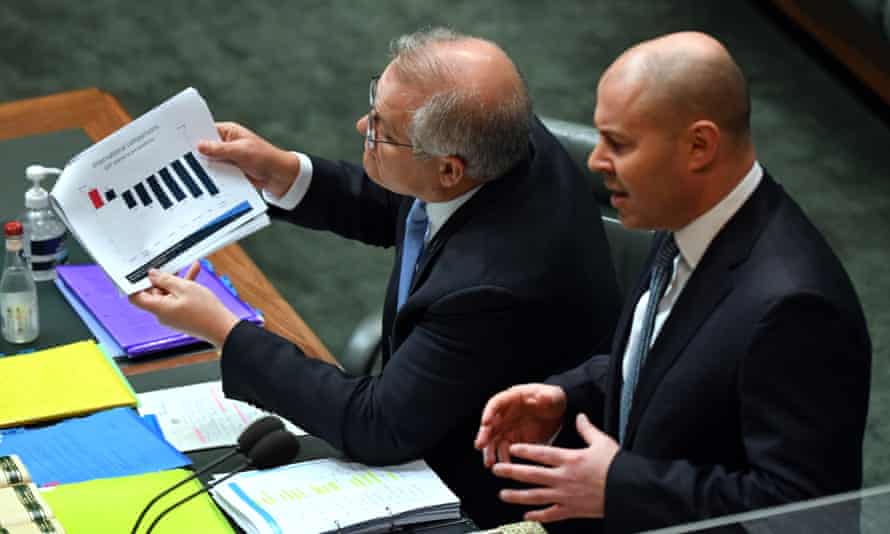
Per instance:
(322,496)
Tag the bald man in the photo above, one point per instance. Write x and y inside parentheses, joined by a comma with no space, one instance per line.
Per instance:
(739,371)
(502,272)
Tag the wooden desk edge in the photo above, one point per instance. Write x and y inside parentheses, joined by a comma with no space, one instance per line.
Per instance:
(99,114)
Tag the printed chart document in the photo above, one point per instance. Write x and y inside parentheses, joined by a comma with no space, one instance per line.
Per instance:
(199,416)
(145,197)
(327,495)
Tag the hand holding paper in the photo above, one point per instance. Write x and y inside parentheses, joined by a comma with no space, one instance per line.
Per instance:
(265,165)
(187,306)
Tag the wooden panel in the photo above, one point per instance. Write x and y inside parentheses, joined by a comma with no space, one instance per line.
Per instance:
(99,114)
(848,36)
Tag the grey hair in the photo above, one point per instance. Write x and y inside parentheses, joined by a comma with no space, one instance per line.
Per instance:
(490,138)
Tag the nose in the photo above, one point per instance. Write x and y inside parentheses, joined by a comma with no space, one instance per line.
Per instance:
(596,162)
(361,124)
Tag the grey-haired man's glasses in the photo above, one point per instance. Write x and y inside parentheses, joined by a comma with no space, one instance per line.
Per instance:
(371,132)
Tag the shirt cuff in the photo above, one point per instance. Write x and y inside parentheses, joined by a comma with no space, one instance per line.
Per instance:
(292,198)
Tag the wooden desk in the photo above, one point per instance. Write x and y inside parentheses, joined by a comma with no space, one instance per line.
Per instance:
(98,114)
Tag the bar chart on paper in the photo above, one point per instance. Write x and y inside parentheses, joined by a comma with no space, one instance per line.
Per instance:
(144,197)
(183,174)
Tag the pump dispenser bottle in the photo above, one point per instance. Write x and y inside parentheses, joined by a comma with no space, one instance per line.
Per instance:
(44,231)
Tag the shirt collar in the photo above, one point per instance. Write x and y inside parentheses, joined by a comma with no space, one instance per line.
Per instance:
(439,212)
(695,238)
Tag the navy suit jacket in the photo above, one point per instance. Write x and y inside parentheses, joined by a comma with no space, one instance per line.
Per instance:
(517,285)
(756,390)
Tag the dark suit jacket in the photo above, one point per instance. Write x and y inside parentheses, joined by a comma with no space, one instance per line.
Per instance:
(755,392)
(517,285)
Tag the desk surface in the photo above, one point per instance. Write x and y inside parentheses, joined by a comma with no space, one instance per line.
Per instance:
(98,114)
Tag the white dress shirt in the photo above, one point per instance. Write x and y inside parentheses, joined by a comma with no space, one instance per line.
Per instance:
(437,212)
(693,241)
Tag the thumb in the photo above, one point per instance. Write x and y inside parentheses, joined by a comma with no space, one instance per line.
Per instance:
(225,150)
(587,430)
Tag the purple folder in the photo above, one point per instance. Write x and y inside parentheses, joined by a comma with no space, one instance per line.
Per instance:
(136,331)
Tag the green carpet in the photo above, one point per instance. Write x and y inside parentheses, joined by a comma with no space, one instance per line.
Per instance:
(297,73)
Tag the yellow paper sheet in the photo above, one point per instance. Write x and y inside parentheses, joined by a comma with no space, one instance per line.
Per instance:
(60,382)
(112,505)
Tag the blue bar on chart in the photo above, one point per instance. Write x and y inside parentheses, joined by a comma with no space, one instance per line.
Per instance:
(171,184)
(128,198)
(143,194)
(159,192)
(187,179)
(201,173)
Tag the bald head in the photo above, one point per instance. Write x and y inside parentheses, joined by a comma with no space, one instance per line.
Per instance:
(685,77)
(475,101)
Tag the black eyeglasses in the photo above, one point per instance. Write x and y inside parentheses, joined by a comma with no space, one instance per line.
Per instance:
(371,131)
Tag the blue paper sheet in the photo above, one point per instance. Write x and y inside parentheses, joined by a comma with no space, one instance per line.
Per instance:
(111,443)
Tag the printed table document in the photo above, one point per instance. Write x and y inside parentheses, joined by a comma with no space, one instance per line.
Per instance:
(199,416)
(145,197)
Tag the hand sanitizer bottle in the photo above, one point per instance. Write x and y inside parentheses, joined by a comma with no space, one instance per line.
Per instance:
(18,294)
(44,231)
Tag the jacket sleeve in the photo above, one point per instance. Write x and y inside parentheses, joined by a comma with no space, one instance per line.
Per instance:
(456,357)
(802,392)
(343,199)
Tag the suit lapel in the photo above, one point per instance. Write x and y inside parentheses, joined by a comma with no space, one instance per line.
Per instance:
(709,284)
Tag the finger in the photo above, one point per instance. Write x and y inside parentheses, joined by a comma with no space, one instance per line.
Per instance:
(557,512)
(589,432)
(531,474)
(147,301)
(488,456)
(228,130)
(483,436)
(168,282)
(193,271)
(542,454)
(528,496)
(493,407)
(504,451)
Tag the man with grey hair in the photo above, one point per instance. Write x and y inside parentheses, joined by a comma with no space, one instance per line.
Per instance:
(502,271)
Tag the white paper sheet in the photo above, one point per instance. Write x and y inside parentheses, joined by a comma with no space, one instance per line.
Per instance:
(330,495)
(145,197)
(199,416)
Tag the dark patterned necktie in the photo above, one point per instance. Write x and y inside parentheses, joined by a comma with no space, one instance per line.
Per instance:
(662,269)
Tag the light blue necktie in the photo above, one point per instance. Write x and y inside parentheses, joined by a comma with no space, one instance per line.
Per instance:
(662,269)
(415,229)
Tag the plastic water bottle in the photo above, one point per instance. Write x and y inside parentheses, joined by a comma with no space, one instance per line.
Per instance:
(18,293)
(44,231)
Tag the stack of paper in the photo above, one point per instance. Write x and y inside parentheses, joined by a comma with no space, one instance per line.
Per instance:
(111,505)
(110,443)
(144,197)
(200,416)
(124,328)
(332,496)
(60,382)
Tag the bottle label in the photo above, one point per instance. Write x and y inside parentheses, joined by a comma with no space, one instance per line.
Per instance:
(46,247)
(19,316)
(46,254)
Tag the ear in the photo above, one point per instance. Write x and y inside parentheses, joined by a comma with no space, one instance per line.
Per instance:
(451,171)
(704,139)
